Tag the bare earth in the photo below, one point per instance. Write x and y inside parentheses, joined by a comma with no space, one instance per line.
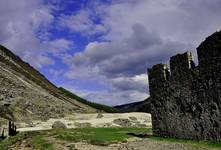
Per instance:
(138,144)
(132,144)
(76,120)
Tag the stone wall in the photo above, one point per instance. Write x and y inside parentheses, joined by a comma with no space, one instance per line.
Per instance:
(186,100)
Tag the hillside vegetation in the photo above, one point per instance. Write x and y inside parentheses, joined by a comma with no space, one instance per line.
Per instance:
(30,95)
(48,140)
(105,108)
(142,106)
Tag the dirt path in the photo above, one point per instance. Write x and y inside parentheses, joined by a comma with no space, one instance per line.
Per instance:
(132,144)
(141,144)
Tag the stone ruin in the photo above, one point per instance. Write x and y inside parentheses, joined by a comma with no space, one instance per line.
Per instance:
(7,113)
(186,99)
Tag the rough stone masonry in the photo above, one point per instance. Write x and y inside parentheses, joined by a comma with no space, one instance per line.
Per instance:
(186,99)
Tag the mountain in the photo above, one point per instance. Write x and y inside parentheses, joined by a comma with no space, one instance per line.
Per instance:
(142,106)
(29,95)
(101,107)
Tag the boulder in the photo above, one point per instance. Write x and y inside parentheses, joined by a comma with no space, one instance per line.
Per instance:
(59,125)
(100,115)
(123,122)
(82,125)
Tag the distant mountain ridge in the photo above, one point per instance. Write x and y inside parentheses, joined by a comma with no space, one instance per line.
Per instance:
(101,107)
(142,106)
(30,94)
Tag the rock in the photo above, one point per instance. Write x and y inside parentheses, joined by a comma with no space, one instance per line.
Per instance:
(140,125)
(71,146)
(82,125)
(100,115)
(32,124)
(185,99)
(59,125)
(133,118)
(123,122)
(30,93)
(106,125)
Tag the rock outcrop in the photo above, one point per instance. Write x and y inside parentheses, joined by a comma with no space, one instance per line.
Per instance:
(186,100)
(6,111)
(30,94)
(59,125)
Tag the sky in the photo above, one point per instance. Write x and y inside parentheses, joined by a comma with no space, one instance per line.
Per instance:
(101,49)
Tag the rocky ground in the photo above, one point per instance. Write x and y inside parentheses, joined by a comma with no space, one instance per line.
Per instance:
(137,144)
(101,120)
(92,120)
(131,144)
(30,95)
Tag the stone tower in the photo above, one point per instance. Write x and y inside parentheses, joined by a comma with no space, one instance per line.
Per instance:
(186,99)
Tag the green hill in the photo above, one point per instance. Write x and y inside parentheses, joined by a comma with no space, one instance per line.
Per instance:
(105,108)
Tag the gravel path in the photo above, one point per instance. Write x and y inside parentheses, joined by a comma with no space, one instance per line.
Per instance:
(141,144)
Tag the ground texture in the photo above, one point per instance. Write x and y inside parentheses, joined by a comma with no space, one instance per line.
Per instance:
(98,131)
(97,139)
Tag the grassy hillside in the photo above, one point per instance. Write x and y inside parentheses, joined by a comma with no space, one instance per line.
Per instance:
(142,106)
(105,108)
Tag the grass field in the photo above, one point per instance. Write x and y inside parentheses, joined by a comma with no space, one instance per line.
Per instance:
(97,136)
(46,140)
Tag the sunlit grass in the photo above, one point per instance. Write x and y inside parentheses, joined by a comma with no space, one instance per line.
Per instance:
(100,136)
(196,143)
(96,136)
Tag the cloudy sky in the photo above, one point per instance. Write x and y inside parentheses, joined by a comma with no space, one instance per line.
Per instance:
(100,49)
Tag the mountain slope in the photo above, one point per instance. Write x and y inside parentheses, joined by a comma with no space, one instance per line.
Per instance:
(94,105)
(142,106)
(30,94)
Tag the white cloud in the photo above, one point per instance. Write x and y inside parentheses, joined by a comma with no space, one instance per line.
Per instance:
(82,22)
(141,34)
(58,45)
(56,73)
(137,82)
(23,26)
(133,35)
(110,98)
(115,98)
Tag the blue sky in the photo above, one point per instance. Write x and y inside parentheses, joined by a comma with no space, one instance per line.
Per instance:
(100,49)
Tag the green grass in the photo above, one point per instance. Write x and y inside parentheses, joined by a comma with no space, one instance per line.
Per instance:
(105,108)
(4,144)
(196,143)
(96,136)
(39,142)
(34,139)
(99,136)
